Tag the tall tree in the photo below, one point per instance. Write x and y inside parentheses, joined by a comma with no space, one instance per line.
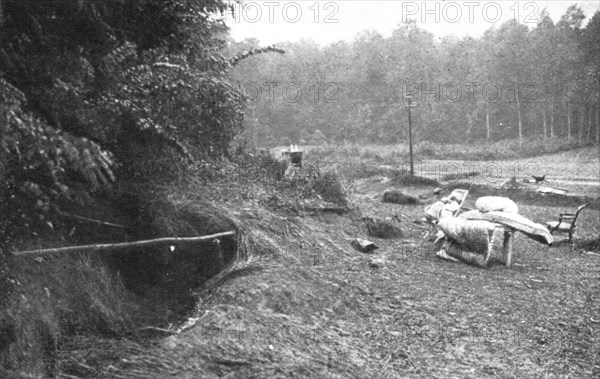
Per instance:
(591,64)
(569,40)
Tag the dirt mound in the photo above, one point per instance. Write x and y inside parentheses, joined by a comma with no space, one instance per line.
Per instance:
(397,197)
(383,229)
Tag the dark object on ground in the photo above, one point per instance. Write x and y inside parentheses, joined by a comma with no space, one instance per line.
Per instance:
(566,223)
(539,179)
(296,158)
(590,245)
(383,229)
(398,197)
(363,246)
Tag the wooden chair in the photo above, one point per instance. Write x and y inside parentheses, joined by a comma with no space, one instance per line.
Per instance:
(566,223)
(458,196)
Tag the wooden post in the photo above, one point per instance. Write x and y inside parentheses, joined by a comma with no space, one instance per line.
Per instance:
(509,235)
(254,132)
(552,117)
(520,117)
(487,123)
(410,143)
(581,122)
(568,122)
(544,122)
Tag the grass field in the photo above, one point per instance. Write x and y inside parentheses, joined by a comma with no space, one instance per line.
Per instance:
(305,304)
(577,171)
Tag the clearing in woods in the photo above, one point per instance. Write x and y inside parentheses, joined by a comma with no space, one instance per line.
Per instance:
(313,307)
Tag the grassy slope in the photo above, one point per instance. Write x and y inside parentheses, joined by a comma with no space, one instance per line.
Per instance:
(313,307)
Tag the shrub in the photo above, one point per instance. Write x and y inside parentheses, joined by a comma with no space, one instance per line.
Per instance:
(330,185)
(42,166)
(319,179)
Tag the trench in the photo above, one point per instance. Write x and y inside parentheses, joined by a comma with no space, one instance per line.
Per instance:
(164,278)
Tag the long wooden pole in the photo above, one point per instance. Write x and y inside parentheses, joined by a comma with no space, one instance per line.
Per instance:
(254,132)
(123,245)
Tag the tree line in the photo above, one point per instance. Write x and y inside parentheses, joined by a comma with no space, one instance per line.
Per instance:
(514,82)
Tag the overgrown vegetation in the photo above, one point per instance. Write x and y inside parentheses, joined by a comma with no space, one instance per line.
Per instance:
(93,94)
(58,297)
(100,103)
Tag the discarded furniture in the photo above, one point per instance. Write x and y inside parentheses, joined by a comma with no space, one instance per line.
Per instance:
(459,196)
(477,237)
(452,203)
(566,223)
(478,242)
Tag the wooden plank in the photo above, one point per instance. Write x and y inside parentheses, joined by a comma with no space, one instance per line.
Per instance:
(96,248)
(532,230)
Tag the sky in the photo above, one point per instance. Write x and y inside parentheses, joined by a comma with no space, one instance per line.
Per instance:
(327,22)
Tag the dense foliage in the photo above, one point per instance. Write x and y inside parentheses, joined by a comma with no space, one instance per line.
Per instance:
(94,91)
(514,82)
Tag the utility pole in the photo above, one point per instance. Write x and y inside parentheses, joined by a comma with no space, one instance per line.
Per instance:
(410,142)
(254,131)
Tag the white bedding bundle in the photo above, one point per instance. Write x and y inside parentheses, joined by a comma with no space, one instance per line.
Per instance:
(496,203)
